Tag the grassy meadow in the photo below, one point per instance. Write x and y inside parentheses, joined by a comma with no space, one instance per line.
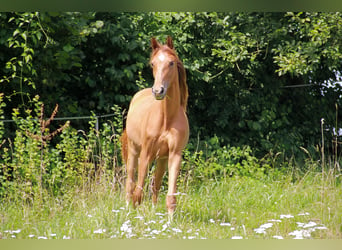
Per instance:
(73,188)
(238,207)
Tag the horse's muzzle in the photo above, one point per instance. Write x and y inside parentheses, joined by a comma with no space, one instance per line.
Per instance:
(159,94)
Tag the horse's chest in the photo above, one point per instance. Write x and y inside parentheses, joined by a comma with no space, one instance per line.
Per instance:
(157,144)
(162,146)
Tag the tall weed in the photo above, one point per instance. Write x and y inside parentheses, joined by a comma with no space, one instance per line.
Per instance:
(31,167)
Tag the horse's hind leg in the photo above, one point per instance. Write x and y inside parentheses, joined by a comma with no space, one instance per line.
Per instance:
(157,178)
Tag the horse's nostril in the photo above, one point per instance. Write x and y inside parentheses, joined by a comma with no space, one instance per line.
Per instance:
(158,92)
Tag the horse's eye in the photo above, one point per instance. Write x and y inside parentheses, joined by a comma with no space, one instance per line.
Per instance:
(172,63)
(152,65)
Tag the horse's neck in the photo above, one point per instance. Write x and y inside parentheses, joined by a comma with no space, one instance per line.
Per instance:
(171,104)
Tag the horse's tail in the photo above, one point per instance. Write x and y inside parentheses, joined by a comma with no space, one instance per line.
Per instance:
(124,146)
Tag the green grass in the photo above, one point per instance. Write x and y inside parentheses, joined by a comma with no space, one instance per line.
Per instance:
(238,206)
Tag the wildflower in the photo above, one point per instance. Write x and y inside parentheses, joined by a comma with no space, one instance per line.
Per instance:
(297,233)
(302,214)
(273,220)
(237,238)
(287,216)
(262,228)
(300,224)
(300,234)
(31,235)
(139,217)
(211,221)
(225,224)
(100,231)
(13,232)
(278,237)
(66,237)
(126,227)
(115,211)
(176,230)
(53,235)
(267,225)
(165,226)
(310,224)
(155,231)
(16,231)
(42,238)
(149,222)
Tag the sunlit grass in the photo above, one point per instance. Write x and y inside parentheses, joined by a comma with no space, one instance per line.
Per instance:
(238,207)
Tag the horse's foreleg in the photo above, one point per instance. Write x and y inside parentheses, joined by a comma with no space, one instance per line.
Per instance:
(174,167)
(131,164)
(142,172)
(157,178)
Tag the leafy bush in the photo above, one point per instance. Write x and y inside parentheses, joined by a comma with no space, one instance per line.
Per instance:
(32,167)
(221,162)
(259,78)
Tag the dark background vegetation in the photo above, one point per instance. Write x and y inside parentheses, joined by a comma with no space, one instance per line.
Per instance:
(259,79)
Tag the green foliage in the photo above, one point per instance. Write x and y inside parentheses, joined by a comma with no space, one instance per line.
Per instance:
(32,168)
(218,163)
(255,79)
(20,65)
(70,166)
(316,38)
(2,105)
(238,54)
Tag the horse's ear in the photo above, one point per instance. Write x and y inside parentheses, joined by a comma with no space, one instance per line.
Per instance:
(154,43)
(169,42)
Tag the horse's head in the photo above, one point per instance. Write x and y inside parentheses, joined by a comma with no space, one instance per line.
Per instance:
(164,64)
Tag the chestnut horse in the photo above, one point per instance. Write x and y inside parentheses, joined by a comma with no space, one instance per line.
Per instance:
(157,127)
